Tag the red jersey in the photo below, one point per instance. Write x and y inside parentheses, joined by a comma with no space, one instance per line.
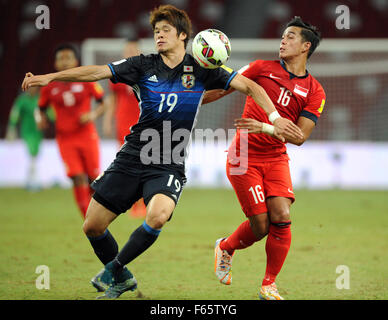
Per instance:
(127,108)
(292,96)
(70,100)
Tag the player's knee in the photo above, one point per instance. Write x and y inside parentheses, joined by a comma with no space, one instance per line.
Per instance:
(280,214)
(158,219)
(92,229)
(259,225)
(260,230)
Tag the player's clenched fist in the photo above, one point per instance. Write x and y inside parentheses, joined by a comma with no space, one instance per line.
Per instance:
(254,126)
(35,81)
(287,127)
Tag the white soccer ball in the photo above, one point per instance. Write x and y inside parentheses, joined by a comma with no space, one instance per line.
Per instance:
(211,48)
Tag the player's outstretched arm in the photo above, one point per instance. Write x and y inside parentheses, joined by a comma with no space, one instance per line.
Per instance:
(80,74)
(260,96)
(215,94)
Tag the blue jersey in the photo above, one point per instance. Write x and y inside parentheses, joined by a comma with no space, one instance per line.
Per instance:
(169,101)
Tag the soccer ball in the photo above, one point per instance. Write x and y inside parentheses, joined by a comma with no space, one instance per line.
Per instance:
(211,48)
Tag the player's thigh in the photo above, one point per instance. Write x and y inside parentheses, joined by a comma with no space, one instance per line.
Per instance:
(277,182)
(279,191)
(249,189)
(119,186)
(90,153)
(97,219)
(71,157)
(164,186)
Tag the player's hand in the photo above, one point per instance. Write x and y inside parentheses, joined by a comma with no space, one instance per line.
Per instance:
(286,127)
(35,81)
(255,126)
(252,125)
(87,117)
(42,124)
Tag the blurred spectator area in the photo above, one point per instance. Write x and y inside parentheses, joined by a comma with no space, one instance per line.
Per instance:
(24,48)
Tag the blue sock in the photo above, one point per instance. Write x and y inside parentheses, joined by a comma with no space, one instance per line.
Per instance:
(105,247)
(140,240)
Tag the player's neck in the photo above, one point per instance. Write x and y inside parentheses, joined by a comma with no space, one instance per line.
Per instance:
(172,58)
(296,66)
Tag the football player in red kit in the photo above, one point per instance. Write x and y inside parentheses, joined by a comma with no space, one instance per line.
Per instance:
(75,131)
(125,107)
(265,190)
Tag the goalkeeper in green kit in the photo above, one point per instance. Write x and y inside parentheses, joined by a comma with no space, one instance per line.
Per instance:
(24,111)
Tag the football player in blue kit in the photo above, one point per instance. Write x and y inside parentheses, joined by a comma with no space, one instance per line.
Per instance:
(151,164)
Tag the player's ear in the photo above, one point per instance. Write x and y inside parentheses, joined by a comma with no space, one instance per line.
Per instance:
(182,36)
(306,46)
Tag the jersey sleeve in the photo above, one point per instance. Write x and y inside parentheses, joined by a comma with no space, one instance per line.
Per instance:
(219,78)
(44,98)
(252,70)
(315,105)
(126,70)
(96,91)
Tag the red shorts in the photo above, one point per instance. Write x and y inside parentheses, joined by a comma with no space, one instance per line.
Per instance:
(80,154)
(260,181)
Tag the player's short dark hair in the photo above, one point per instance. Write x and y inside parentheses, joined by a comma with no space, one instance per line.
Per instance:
(176,17)
(67,46)
(309,33)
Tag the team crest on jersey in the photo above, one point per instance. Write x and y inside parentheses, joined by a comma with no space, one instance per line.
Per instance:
(301,91)
(188,81)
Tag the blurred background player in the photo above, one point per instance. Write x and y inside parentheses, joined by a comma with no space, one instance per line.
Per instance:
(265,190)
(25,111)
(76,133)
(124,110)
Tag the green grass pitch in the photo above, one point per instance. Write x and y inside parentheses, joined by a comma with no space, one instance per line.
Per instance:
(329,229)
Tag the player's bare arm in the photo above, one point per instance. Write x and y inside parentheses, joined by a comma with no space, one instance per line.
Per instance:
(307,126)
(253,126)
(259,95)
(41,119)
(79,74)
(215,94)
(107,127)
(100,109)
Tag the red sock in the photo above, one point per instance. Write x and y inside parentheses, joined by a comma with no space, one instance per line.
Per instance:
(82,197)
(242,238)
(277,246)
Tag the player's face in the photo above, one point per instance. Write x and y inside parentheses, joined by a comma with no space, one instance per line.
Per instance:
(166,37)
(292,43)
(65,59)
